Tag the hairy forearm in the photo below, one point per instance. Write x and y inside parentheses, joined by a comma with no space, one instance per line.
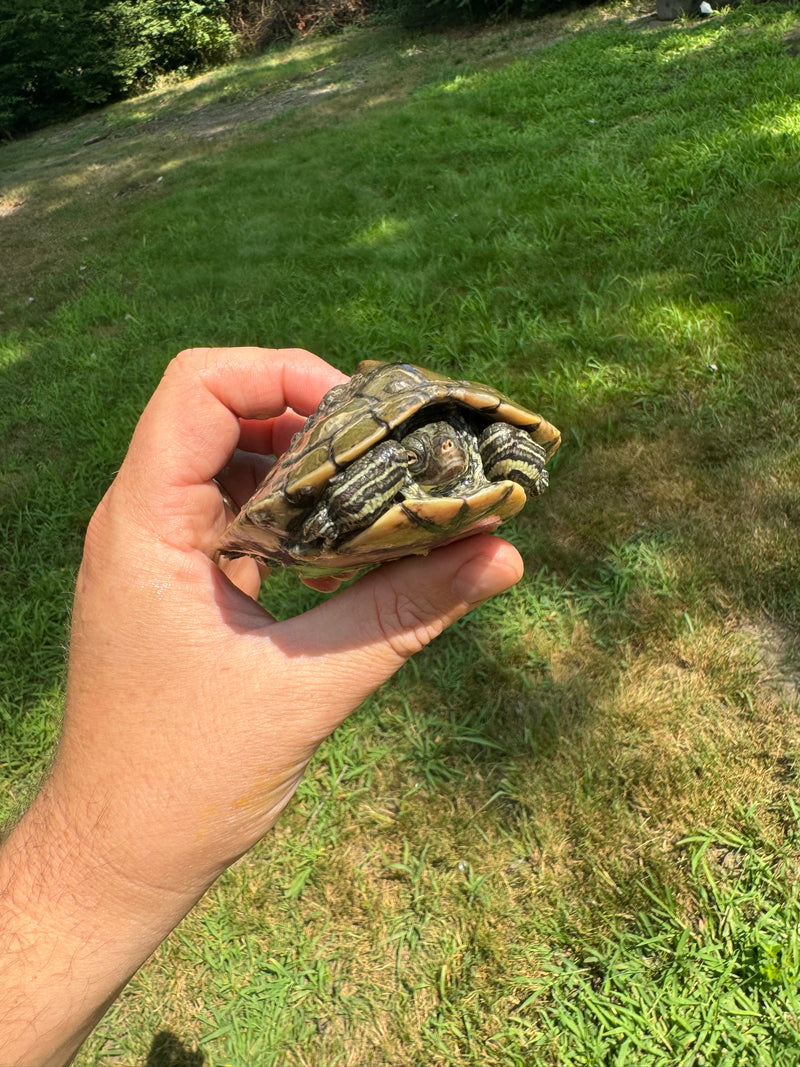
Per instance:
(72,932)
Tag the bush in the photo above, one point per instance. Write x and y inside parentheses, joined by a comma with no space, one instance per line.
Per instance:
(156,36)
(59,58)
(51,62)
(257,23)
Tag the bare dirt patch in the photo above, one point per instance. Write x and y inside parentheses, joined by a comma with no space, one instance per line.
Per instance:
(223,117)
(778,648)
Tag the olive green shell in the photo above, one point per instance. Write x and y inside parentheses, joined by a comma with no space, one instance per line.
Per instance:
(351,419)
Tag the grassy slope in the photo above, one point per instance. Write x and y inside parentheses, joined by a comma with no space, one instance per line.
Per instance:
(565,835)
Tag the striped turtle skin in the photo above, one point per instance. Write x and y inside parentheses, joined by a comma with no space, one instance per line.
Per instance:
(395,462)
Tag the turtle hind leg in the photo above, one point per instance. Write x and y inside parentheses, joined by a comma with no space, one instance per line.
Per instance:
(508,452)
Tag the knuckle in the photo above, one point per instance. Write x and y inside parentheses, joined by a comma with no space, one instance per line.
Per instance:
(97,531)
(188,363)
(407,624)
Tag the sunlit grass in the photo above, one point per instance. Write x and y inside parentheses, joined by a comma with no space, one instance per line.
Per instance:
(562,835)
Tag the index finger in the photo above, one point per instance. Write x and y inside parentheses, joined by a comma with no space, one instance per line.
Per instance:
(191,426)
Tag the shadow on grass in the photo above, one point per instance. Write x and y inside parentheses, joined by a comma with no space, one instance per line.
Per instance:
(167,1050)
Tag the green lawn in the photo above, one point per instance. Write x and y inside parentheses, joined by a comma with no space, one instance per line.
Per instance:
(567,833)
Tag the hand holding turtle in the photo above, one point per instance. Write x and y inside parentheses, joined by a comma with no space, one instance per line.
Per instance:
(191,713)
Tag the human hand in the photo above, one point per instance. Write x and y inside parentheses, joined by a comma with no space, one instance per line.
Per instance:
(191,713)
(223,707)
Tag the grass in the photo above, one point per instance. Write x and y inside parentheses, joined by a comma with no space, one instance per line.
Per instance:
(566,833)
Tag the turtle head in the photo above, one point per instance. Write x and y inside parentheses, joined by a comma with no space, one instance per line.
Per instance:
(437,455)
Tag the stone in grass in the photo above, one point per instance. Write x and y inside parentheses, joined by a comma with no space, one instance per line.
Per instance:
(667,10)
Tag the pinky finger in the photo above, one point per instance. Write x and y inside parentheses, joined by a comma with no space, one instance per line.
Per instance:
(329,584)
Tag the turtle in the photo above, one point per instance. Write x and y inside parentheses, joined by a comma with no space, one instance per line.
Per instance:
(395,462)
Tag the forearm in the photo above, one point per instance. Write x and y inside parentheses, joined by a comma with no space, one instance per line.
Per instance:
(72,932)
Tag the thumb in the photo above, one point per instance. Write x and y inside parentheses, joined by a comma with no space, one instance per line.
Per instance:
(366,632)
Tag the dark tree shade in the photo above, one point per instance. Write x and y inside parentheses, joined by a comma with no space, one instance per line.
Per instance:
(61,57)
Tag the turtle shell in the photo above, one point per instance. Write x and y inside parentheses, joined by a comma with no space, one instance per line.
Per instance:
(351,418)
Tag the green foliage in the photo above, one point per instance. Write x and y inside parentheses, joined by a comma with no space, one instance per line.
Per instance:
(156,36)
(51,62)
(61,57)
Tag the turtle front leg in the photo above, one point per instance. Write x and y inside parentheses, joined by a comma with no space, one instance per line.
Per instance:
(510,453)
(359,494)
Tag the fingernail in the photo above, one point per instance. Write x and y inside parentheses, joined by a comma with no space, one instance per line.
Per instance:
(482,577)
